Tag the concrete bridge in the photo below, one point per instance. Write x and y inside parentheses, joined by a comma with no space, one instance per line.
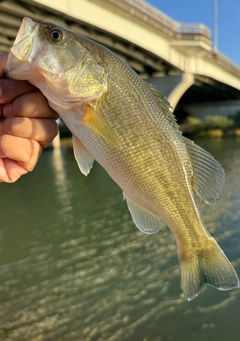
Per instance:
(178,58)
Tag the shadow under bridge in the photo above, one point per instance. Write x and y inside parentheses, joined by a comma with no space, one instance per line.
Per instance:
(187,90)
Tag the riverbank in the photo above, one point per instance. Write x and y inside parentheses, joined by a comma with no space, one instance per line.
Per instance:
(211,126)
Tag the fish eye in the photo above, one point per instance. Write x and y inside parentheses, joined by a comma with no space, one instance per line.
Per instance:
(56,36)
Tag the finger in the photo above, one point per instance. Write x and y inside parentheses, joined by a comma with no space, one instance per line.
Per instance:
(41,130)
(3,60)
(32,104)
(26,152)
(11,89)
(10,170)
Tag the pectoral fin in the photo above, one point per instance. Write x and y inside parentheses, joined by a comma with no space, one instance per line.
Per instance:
(82,156)
(145,221)
(208,174)
(92,118)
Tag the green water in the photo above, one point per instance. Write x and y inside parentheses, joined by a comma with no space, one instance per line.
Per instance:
(73,267)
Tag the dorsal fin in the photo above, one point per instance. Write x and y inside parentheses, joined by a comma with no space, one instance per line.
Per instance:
(208,174)
(164,105)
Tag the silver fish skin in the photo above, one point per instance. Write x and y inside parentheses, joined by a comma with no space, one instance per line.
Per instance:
(120,121)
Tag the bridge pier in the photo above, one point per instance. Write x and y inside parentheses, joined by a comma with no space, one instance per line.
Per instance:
(173,86)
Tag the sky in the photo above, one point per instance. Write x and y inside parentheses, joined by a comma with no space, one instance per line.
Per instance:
(201,11)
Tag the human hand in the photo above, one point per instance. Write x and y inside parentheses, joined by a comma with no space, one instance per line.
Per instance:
(27,124)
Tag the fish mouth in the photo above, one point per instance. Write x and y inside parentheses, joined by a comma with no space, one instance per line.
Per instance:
(26,47)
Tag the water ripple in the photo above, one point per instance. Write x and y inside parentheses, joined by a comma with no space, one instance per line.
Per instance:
(74,267)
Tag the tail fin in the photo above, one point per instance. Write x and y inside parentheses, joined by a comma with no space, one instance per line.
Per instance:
(208,266)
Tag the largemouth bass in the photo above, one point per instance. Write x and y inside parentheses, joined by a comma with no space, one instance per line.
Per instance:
(120,121)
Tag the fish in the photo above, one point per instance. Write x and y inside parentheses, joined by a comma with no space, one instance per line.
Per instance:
(120,121)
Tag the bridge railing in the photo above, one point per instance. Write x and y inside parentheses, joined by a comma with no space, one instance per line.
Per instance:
(226,62)
(163,19)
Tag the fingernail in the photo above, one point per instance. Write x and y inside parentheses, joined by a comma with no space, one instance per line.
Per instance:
(7,110)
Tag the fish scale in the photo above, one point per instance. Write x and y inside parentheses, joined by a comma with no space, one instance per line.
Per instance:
(120,121)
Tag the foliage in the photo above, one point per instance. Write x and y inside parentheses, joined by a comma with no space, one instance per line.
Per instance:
(218,122)
(193,125)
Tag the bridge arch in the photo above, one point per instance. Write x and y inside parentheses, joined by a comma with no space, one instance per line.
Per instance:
(179,56)
(173,87)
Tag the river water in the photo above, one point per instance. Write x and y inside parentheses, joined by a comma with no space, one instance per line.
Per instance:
(73,267)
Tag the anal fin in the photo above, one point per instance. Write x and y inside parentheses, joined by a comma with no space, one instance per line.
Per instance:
(145,221)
